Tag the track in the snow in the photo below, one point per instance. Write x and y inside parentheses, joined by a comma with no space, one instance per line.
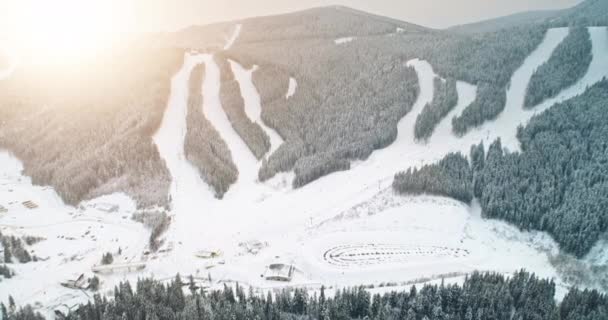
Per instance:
(359,255)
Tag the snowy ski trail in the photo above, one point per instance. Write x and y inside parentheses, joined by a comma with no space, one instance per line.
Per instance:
(253,108)
(291,90)
(233,37)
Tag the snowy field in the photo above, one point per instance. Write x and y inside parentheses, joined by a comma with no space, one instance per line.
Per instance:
(342,230)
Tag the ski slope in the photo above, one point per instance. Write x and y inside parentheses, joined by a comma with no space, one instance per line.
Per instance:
(344,229)
(291,90)
(253,107)
(235,35)
(245,161)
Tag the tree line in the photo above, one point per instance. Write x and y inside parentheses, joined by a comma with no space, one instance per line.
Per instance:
(482,296)
(451,177)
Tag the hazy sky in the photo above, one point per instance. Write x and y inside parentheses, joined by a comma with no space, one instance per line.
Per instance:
(167,15)
(172,14)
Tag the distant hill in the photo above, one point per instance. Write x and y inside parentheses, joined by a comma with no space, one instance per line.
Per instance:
(323,22)
(505,22)
(587,13)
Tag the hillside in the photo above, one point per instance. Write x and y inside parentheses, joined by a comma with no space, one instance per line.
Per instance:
(506,22)
(587,13)
(327,147)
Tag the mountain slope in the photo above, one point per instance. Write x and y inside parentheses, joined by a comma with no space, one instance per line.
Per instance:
(506,22)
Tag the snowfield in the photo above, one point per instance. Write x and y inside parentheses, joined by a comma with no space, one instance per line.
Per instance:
(344,40)
(345,229)
(291,90)
(12,65)
(235,35)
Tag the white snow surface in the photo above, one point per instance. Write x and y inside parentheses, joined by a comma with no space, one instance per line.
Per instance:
(344,40)
(233,37)
(291,90)
(318,227)
(12,65)
(253,106)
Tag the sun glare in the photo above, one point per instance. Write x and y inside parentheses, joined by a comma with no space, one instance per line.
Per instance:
(67,29)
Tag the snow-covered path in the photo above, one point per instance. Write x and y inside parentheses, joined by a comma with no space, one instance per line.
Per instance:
(253,108)
(235,35)
(291,90)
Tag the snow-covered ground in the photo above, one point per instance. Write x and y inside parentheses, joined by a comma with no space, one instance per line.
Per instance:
(75,238)
(344,229)
(10,68)
(235,35)
(344,40)
(291,90)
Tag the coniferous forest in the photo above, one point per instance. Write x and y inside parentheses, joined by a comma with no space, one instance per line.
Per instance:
(482,296)
(558,183)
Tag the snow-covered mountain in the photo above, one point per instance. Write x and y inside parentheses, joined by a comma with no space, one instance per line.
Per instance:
(220,151)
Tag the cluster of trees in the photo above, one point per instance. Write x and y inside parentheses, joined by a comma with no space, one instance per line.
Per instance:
(233,104)
(6,272)
(451,177)
(107,258)
(15,250)
(203,145)
(87,131)
(156,220)
(445,98)
(481,296)
(309,169)
(489,103)
(568,64)
(14,313)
